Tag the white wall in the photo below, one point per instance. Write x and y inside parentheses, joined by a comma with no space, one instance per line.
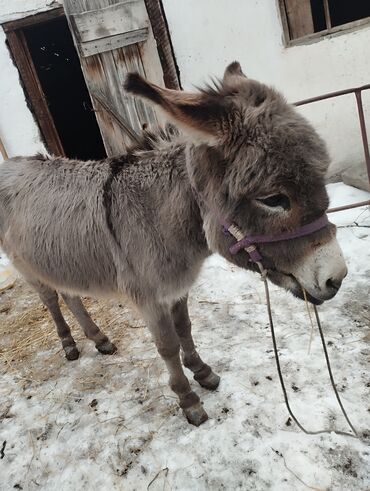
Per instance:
(209,34)
(18,129)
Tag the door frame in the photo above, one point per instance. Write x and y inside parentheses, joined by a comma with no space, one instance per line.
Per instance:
(158,21)
(35,96)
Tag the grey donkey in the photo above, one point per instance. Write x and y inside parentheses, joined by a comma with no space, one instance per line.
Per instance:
(140,225)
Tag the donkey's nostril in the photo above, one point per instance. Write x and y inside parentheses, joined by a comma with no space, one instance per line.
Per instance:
(333,284)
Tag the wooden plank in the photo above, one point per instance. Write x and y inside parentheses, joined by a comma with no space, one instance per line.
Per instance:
(126,16)
(113,42)
(116,141)
(299,16)
(284,22)
(121,118)
(23,60)
(33,19)
(127,60)
(109,108)
(3,151)
(334,31)
(102,72)
(327,14)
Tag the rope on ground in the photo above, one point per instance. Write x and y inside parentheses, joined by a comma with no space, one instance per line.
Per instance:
(277,360)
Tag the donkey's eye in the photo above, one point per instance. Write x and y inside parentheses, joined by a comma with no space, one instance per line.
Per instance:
(276,200)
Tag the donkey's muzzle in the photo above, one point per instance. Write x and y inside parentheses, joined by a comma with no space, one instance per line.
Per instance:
(322,272)
(333,284)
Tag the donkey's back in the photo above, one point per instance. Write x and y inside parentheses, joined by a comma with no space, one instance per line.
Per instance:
(53,208)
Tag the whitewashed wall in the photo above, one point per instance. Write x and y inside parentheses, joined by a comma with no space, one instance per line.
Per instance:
(208,34)
(18,129)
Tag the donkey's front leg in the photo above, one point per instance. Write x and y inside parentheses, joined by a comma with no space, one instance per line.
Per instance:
(203,373)
(160,322)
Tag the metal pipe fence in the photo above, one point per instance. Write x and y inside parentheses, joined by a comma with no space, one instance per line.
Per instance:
(357,91)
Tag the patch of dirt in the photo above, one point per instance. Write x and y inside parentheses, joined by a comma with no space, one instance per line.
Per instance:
(358,308)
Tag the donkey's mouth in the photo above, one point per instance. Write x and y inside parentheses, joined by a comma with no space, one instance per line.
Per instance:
(290,283)
(299,294)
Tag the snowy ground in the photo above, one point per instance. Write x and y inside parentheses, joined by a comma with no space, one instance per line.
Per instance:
(102,423)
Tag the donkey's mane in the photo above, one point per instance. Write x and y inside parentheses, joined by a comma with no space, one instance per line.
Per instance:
(154,140)
(148,141)
(215,88)
(40,156)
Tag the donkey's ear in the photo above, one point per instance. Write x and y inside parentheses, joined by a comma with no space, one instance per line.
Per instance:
(233,70)
(198,113)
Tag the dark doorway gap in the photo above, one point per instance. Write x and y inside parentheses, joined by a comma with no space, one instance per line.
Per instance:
(59,71)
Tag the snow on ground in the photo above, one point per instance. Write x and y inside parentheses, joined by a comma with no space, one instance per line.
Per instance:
(102,423)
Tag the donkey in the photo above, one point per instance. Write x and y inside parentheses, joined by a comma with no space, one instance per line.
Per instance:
(140,225)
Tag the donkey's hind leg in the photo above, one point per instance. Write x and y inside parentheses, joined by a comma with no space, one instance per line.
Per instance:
(49,298)
(203,373)
(89,327)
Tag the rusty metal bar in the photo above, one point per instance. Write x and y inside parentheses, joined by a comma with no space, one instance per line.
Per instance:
(329,95)
(365,143)
(3,151)
(358,94)
(348,207)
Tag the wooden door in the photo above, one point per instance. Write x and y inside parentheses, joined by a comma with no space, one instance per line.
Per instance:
(114,37)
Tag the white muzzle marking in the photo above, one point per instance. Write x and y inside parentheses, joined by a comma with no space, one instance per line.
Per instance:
(321,273)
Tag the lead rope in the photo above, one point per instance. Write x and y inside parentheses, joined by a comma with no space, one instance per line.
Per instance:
(338,432)
(236,232)
(311,321)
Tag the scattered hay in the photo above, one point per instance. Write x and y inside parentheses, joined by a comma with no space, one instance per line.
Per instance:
(26,327)
(25,334)
(31,352)
(8,278)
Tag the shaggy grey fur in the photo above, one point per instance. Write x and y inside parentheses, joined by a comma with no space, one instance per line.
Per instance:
(132,225)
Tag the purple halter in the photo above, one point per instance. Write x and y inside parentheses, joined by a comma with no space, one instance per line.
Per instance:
(248,242)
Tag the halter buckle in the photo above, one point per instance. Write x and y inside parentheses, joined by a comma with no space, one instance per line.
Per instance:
(253,252)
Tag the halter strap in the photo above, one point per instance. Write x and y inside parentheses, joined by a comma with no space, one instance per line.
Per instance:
(249,240)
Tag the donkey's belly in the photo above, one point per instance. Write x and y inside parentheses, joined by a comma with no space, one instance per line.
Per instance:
(71,265)
(91,271)
(94,281)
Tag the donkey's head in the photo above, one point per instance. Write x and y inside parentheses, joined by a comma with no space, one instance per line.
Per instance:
(257,162)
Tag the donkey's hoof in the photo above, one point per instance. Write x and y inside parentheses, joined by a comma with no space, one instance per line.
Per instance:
(107,348)
(71,352)
(211,382)
(196,415)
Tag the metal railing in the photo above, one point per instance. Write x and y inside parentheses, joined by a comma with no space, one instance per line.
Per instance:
(360,109)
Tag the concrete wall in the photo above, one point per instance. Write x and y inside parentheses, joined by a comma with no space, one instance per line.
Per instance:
(208,34)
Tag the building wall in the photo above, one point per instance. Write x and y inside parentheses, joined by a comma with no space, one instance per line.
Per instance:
(209,34)
(18,129)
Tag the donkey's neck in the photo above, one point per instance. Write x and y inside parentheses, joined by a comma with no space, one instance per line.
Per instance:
(154,219)
(155,185)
